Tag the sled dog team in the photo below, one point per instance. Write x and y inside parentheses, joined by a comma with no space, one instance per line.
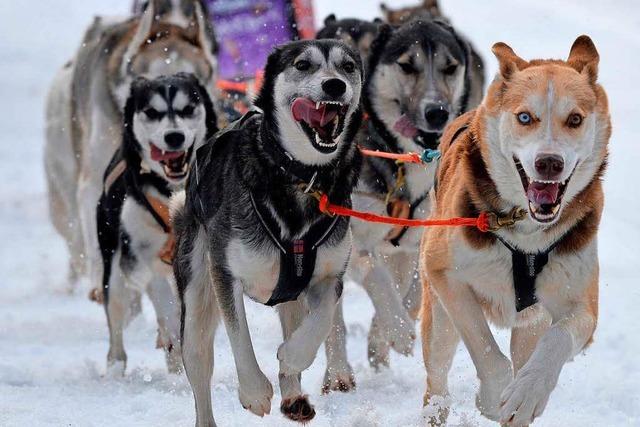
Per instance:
(153,194)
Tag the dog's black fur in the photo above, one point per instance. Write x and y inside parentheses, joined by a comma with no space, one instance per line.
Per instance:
(134,180)
(239,163)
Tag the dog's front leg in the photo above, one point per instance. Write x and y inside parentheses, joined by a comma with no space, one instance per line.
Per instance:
(255,390)
(298,352)
(295,405)
(391,324)
(527,396)
(492,366)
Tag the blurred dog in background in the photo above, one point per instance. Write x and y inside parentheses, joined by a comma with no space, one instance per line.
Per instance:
(85,107)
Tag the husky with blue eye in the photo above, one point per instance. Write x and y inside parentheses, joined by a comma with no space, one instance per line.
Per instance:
(165,121)
(250,223)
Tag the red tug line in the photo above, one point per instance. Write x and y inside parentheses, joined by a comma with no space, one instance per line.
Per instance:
(484,222)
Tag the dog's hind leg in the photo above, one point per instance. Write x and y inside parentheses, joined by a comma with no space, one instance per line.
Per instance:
(439,342)
(295,405)
(168,314)
(200,318)
(339,375)
(255,390)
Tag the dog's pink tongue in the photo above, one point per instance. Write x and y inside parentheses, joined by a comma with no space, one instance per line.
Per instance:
(405,128)
(157,155)
(543,194)
(305,110)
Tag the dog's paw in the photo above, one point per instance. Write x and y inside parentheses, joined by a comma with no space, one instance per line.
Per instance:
(491,388)
(403,336)
(339,380)
(436,410)
(96,295)
(293,358)
(256,397)
(298,409)
(377,353)
(526,397)
(116,368)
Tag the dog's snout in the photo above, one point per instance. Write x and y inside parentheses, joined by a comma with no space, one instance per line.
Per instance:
(334,87)
(174,139)
(436,115)
(550,166)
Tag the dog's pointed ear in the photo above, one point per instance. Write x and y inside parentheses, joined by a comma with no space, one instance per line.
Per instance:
(584,58)
(330,19)
(385,31)
(509,62)
(212,117)
(145,25)
(378,20)
(265,96)
(204,35)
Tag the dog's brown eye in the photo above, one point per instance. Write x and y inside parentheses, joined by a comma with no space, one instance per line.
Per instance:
(152,114)
(187,111)
(407,67)
(349,67)
(524,118)
(450,70)
(302,65)
(574,120)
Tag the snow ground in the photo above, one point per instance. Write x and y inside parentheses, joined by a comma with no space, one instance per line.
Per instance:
(53,344)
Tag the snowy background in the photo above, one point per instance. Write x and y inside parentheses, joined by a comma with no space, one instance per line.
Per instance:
(53,345)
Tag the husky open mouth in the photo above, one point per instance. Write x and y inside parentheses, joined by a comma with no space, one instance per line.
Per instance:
(405,127)
(174,163)
(322,121)
(544,197)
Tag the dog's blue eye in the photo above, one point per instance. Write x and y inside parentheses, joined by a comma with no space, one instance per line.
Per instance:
(524,118)
(302,65)
(349,67)
(407,67)
(153,114)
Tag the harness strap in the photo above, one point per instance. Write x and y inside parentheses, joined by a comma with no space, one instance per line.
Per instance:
(526,268)
(160,210)
(114,174)
(297,256)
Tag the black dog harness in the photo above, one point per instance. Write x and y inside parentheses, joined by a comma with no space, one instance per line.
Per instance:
(526,267)
(297,256)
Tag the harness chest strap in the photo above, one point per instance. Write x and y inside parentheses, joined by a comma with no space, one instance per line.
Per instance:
(161,209)
(297,256)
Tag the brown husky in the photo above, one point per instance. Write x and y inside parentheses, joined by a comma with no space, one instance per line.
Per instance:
(536,146)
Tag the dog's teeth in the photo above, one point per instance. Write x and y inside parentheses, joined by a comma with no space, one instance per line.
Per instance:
(555,208)
(164,152)
(317,105)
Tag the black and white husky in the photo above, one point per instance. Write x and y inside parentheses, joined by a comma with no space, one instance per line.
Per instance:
(165,120)
(250,224)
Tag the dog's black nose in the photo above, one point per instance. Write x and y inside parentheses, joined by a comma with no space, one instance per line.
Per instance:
(334,87)
(174,139)
(436,116)
(550,166)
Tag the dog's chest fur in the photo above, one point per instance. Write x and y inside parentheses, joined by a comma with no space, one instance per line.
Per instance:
(489,273)
(231,172)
